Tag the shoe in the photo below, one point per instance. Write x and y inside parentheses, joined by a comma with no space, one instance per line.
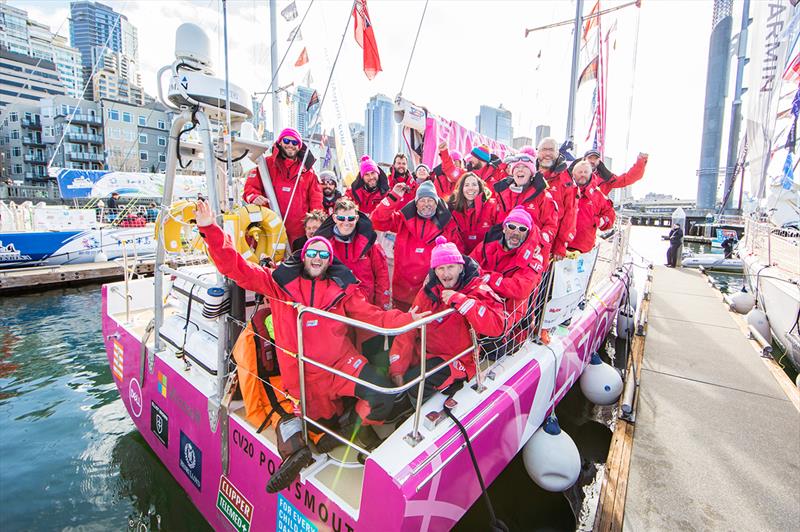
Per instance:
(288,470)
(327,443)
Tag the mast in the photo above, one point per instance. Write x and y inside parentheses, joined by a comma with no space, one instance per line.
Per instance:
(273,60)
(736,114)
(573,79)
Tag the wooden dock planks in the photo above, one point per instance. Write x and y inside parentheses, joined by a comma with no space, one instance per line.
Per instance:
(22,280)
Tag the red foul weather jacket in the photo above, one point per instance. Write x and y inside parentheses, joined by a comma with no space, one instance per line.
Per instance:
(513,274)
(414,242)
(366,260)
(409,180)
(367,200)
(603,179)
(594,210)
(476,305)
(565,193)
(328,204)
(283,173)
(536,199)
(446,176)
(475,221)
(324,340)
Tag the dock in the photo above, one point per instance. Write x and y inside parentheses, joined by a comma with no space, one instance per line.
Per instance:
(716,440)
(31,279)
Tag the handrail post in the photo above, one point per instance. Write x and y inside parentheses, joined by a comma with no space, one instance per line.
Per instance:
(415,437)
(479,387)
(301,372)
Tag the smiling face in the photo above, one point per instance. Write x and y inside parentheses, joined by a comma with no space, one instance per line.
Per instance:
(311,227)
(582,173)
(426,207)
(546,153)
(473,163)
(448,274)
(328,187)
(521,174)
(400,165)
(471,188)
(316,265)
(594,160)
(516,236)
(371,179)
(422,174)
(348,224)
(289,149)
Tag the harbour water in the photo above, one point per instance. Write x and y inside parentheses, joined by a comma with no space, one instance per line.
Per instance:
(71,459)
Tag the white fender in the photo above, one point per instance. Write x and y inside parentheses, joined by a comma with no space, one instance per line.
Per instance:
(551,457)
(600,383)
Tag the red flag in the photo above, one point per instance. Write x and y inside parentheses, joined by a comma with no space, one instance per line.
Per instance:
(303,59)
(365,37)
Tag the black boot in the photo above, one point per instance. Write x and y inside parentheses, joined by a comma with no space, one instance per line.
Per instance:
(288,470)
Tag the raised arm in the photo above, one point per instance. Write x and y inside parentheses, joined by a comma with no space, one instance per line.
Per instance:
(385,216)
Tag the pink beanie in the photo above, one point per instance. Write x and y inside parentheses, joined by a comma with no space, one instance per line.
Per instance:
(456,155)
(530,165)
(519,216)
(445,253)
(530,150)
(317,239)
(368,165)
(292,134)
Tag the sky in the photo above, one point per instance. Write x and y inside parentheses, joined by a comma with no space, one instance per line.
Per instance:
(470,53)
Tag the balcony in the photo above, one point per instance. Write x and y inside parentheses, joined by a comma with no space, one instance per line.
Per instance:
(87,119)
(32,141)
(32,124)
(36,159)
(85,137)
(86,157)
(24,192)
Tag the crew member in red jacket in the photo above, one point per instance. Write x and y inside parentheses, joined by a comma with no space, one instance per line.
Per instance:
(485,164)
(330,190)
(284,167)
(454,281)
(416,224)
(594,209)
(511,263)
(527,188)
(553,168)
(400,173)
(602,177)
(450,171)
(313,278)
(473,209)
(369,187)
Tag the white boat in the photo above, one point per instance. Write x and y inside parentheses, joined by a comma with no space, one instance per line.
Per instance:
(711,262)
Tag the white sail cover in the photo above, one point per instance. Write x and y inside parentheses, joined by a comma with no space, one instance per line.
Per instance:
(771,36)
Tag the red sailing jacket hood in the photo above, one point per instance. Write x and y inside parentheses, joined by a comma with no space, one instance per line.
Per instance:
(595,211)
(564,192)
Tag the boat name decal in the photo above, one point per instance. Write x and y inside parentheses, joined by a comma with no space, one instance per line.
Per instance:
(234,506)
(191,460)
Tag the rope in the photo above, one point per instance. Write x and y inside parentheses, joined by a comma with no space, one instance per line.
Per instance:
(410,57)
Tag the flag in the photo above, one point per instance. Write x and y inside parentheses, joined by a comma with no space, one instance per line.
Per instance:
(294,32)
(365,37)
(326,161)
(303,59)
(289,12)
(591,21)
(314,100)
(590,72)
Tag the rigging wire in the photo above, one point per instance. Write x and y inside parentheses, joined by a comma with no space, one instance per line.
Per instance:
(414,47)
(633,84)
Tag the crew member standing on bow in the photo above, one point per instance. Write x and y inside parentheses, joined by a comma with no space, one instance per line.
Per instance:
(454,281)
(416,224)
(369,187)
(553,168)
(289,182)
(594,209)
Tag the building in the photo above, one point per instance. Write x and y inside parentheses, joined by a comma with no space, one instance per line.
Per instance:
(25,37)
(495,122)
(135,137)
(24,157)
(109,46)
(520,142)
(380,129)
(26,79)
(357,133)
(72,129)
(301,118)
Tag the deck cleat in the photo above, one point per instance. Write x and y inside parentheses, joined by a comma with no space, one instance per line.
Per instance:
(433,418)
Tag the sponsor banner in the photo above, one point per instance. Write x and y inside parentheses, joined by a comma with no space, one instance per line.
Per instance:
(191,460)
(159,423)
(290,519)
(117,359)
(234,506)
(101,183)
(570,281)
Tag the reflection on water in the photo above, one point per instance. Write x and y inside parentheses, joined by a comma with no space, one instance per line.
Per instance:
(70,458)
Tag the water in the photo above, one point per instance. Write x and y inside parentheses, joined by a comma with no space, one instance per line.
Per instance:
(70,458)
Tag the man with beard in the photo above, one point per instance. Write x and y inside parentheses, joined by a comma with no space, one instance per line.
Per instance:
(553,167)
(330,191)
(485,165)
(453,282)
(594,209)
(399,172)
(603,179)
(370,187)
(289,181)
(417,224)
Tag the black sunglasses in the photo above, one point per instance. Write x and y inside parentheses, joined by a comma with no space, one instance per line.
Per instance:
(312,253)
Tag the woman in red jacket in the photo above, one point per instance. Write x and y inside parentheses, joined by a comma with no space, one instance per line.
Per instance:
(290,184)
(416,224)
(313,278)
(453,282)
(472,209)
(594,209)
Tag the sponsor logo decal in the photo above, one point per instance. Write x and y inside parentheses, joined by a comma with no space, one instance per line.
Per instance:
(191,460)
(162,384)
(234,506)
(135,397)
(159,424)
(290,518)
(117,359)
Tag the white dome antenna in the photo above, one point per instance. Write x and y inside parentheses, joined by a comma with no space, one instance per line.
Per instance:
(192,46)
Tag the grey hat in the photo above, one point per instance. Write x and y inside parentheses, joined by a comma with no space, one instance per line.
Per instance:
(592,152)
(426,190)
